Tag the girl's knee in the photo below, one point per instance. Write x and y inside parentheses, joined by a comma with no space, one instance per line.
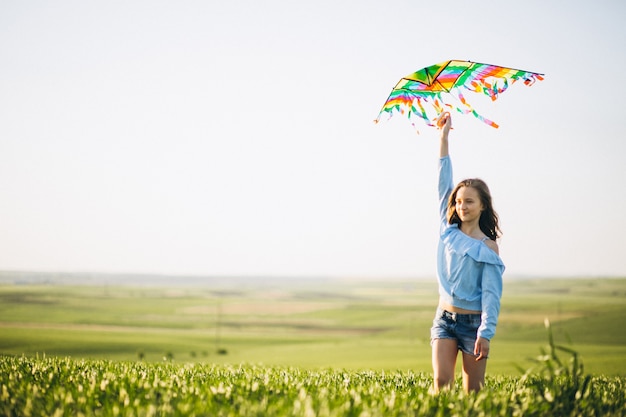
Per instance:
(441,382)
(474,386)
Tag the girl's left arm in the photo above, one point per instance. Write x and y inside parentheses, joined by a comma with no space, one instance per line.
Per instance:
(491,294)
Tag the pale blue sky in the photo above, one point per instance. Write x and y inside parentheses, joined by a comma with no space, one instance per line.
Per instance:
(206,137)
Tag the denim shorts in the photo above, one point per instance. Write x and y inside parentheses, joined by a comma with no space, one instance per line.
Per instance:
(461,327)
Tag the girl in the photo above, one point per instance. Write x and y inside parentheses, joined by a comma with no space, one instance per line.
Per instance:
(469,271)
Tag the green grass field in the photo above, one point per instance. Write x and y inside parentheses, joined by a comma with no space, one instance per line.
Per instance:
(330,324)
(70,387)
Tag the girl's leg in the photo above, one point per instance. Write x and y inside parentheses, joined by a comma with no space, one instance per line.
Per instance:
(473,373)
(444,361)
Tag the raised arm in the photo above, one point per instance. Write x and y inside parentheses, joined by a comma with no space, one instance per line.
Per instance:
(445,170)
(444,123)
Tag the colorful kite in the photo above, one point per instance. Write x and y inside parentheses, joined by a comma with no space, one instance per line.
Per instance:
(432,87)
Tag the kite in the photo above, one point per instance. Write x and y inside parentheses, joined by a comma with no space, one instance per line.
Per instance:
(432,87)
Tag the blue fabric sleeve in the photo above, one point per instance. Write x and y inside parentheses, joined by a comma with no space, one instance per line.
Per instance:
(491,294)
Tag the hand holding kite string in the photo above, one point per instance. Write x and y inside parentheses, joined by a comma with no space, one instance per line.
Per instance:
(432,87)
(444,123)
(443,119)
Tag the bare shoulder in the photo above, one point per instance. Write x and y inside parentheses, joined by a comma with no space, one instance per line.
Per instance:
(492,245)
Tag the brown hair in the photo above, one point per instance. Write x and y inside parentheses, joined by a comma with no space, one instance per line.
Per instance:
(488,221)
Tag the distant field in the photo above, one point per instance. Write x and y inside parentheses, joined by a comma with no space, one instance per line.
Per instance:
(331,324)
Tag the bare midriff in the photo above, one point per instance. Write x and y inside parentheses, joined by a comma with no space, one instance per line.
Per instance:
(453,309)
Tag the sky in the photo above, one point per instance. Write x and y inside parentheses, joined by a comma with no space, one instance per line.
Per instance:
(237,138)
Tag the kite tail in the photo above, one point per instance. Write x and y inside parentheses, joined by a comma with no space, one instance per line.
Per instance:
(470,109)
(438,105)
(405,103)
(393,104)
(422,114)
(531,78)
(488,89)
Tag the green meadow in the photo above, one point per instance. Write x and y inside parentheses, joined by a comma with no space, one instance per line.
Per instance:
(304,323)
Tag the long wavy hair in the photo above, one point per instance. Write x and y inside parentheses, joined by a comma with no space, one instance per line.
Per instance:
(488,221)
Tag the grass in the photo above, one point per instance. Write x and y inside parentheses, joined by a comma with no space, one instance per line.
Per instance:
(67,387)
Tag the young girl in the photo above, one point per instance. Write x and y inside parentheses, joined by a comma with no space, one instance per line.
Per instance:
(469,271)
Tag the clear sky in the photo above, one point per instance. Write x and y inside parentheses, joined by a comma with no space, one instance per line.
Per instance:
(236,137)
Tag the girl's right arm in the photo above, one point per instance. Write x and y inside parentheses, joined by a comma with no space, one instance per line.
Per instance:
(445,170)
(444,123)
